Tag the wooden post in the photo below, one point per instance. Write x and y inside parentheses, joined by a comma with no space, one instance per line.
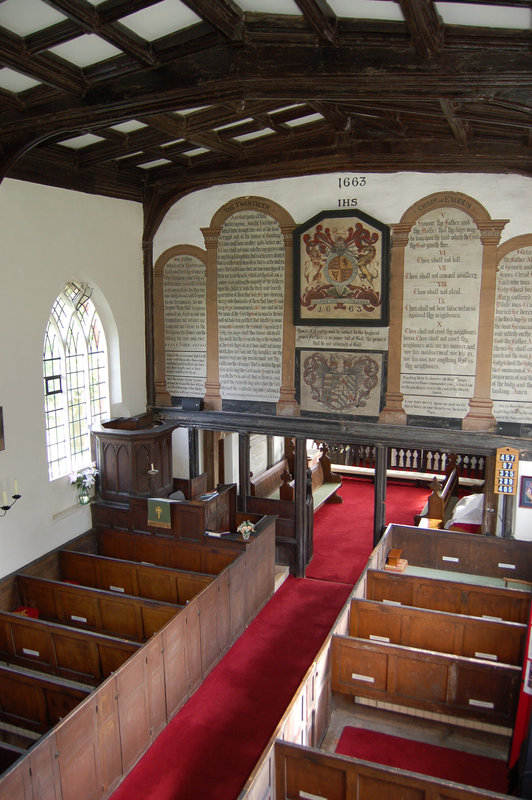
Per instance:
(300,476)
(379,516)
(193,453)
(243,469)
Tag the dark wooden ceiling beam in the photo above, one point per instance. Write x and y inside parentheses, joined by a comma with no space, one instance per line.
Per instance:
(86,16)
(45,67)
(461,131)
(51,36)
(179,129)
(425,26)
(321,17)
(330,111)
(224,15)
(286,75)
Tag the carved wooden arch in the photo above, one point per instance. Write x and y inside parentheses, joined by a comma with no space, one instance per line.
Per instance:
(287,404)
(480,415)
(162,396)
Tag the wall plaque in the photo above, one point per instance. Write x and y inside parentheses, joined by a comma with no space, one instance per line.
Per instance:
(506,467)
(340,381)
(341,270)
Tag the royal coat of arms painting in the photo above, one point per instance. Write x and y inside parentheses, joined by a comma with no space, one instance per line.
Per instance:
(345,382)
(341,270)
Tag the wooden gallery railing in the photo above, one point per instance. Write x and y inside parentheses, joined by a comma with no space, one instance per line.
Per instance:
(407,460)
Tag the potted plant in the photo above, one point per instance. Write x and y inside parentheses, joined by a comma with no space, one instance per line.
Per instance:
(84,479)
(246,528)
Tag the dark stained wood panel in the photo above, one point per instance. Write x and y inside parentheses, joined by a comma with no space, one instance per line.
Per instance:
(443,98)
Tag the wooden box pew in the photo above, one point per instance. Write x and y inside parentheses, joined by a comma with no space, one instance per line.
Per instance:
(456,634)
(36,702)
(474,600)
(95,609)
(84,656)
(443,683)
(442,499)
(142,580)
(305,772)
(164,551)
(505,560)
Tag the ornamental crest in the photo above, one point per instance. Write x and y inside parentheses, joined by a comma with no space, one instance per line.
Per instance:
(341,381)
(339,275)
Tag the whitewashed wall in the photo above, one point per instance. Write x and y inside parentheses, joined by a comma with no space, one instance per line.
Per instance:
(383,196)
(50,236)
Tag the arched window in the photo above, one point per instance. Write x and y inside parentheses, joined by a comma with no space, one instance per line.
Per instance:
(76,386)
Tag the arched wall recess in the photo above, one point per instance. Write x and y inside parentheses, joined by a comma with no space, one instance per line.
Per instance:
(249,295)
(442,294)
(511,372)
(180,339)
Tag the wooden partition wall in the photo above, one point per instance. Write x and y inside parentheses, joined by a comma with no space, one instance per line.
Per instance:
(86,755)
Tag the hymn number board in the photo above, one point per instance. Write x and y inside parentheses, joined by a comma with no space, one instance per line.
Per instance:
(507,461)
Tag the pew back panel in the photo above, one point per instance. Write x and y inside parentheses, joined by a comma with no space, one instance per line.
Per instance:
(463,552)
(438,631)
(302,772)
(510,605)
(35,702)
(80,655)
(435,682)
(156,583)
(126,616)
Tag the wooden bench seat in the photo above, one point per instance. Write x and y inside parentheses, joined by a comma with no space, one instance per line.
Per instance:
(473,600)
(276,482)
(439,631)
(36,702)
(267,483)
(95,609)
(435,682)
(438,509)
(142,580)
(85,656)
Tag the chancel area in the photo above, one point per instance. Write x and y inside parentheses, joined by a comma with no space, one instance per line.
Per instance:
(266,405)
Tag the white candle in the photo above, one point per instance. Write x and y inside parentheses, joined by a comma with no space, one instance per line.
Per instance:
(4,498)
(16,486)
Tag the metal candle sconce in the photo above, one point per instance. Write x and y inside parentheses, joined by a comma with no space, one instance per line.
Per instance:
(4,508)
(152,470)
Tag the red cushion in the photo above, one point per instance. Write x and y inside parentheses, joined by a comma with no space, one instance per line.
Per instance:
(27,611)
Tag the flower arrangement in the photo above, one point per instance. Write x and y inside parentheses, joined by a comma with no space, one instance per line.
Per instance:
(246,528)
(84,479)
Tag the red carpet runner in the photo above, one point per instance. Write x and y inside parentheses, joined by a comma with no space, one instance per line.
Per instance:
(212,744)
(343,533)
(427,759)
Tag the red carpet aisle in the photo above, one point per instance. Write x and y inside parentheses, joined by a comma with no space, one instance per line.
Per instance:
(427,759)
(212,744)
(343,533)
